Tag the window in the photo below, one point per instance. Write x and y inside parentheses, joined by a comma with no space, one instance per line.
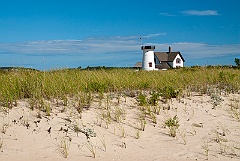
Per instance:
(150,64)
(178,61)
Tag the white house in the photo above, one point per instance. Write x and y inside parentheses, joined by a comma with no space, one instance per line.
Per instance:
(160,60)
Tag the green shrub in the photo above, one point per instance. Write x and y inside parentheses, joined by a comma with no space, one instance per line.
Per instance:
(169,92)
(172,124)
(142,100)
(153,100)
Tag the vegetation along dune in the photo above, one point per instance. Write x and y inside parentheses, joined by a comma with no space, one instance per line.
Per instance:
(120,114)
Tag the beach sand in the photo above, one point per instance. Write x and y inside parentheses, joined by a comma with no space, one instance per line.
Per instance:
(112,130)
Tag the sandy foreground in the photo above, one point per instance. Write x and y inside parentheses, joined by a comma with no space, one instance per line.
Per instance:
(209,129)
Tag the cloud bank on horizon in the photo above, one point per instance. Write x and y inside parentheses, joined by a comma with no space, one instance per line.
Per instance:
(115,44)
(118,45)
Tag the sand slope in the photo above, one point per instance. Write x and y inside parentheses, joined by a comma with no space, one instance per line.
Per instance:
(207,131)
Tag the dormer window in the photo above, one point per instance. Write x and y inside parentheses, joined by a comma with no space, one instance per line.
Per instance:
(178,61)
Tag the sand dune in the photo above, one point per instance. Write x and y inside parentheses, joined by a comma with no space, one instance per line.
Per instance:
(112,129)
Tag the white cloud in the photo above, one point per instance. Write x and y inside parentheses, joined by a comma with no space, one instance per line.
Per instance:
(90,45)
(201,13)
(155,35)
(117,47)
(201,50)
(166,14)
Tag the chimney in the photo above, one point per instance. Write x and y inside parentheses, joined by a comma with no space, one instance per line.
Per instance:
(169,49)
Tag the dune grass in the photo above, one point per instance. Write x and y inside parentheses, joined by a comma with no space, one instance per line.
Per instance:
(20,84)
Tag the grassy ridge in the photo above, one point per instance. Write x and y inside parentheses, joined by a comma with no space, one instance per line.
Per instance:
(15,85)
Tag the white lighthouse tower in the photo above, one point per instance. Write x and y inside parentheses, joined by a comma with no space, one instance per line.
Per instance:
(148,62)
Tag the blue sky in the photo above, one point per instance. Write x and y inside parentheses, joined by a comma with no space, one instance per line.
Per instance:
(47,34)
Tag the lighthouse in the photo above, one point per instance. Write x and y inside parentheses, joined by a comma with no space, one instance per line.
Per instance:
(148,58)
